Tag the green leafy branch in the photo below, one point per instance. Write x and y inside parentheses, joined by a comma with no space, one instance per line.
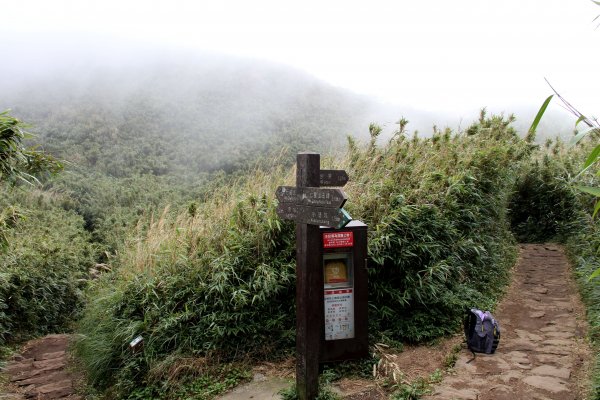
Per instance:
(18,162)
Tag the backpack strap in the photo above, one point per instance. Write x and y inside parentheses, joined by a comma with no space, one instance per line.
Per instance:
(474,356)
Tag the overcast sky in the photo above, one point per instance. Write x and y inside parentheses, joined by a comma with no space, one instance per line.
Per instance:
(434,55)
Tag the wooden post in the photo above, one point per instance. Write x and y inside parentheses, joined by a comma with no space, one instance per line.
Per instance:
(309,288)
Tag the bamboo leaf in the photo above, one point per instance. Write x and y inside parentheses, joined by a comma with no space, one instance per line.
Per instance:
(577,138)
(592,157)
(595,191)
(540,114)
(594,274)
(580,119)
(596,209)
(581,135)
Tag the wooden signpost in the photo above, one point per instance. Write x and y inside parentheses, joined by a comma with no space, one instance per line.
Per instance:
(311,206)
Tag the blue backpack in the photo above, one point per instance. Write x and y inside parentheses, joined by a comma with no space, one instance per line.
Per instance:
(482,331)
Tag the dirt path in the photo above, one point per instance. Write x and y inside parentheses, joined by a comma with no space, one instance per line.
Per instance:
(543,353)
(40,371)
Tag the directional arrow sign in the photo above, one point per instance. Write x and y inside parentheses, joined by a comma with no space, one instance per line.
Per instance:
(331,217)
(318,197)
(287,194)
(322,216)
(287,211)
(323,197)
(333,177)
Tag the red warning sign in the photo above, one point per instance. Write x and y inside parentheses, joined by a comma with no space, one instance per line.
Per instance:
(338,239)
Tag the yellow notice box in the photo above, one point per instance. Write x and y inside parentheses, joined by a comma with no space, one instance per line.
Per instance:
(336,271)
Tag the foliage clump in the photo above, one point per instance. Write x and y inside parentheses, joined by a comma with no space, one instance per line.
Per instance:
(43,267)
(18,162)
(547,206)
(44,251)
(439,232)
(544,206)
(582,238)
(583,250)
(219,280)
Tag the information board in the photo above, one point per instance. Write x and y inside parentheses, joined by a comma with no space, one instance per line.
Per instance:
(339,314)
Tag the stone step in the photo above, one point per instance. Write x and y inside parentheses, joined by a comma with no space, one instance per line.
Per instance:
(44,378)
(20,366)
(57,364)
(54,390)
(52,356)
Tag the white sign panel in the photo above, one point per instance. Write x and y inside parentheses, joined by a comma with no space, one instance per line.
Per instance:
(339,314)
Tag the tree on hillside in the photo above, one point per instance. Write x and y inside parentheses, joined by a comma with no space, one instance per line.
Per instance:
(18,162)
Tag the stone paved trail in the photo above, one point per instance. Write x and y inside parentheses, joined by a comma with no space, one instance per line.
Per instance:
(40,371)
(543,353)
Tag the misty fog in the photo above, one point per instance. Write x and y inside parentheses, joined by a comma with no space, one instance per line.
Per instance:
(204,108)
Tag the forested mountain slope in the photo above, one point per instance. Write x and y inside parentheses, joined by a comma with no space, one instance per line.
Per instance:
(149,129)
(182,115)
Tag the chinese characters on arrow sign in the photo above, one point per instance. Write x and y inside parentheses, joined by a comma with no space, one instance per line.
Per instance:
(310,196)
(315,205)
(333,177)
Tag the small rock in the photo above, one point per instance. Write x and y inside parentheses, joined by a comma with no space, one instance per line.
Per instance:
(11,396)
(452,393)
(560,335)
(556,350)
(21,366)
(523,366)
(549,383)
(551,328)
(550,370)
(53,390)
(44,379)
(558,342)
(52,356)
(54,363)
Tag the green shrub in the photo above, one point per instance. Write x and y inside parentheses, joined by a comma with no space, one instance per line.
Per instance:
(43,266)
(219,281)
(583,251)
(544,205)
(582,246)
(439,234)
